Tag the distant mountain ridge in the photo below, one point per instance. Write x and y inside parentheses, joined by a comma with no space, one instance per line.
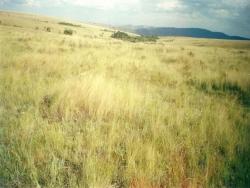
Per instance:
(184,32)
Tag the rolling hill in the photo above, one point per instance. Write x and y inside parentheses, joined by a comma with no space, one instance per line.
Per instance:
(184,32)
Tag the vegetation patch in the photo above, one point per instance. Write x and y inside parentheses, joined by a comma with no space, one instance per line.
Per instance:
(69,24)
(107,30)
(124,36)
(17,26)
(48,29)
(68,32)
(224,87)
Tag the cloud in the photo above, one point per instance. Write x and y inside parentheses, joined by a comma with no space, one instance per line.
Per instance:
(169,5)
(3,2)
(32,3)
(13,2)
(97,4)
(230,16)
(236,3)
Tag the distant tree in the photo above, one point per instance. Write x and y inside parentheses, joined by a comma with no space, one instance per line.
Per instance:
(125,36)
(69,24)
(120,35)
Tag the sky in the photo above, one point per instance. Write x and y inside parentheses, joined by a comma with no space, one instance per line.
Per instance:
(228,16)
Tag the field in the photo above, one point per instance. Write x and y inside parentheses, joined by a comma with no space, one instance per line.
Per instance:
(87,110)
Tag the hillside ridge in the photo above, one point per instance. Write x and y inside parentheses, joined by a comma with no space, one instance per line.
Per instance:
(183,32)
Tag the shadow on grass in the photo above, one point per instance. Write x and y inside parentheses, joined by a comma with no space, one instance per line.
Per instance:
(237,170)
(225,87)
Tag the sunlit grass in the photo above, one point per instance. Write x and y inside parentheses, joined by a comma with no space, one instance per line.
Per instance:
(90,111)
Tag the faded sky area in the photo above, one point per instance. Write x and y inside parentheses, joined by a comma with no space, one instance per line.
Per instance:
(229,16)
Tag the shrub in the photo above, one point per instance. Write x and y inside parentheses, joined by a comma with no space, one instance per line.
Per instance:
(125,36)
(191,54)
(69,24)
(120,35)
(68,32)
(48,29)
(106,30)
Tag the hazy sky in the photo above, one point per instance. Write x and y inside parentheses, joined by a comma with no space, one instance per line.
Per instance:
(229,16)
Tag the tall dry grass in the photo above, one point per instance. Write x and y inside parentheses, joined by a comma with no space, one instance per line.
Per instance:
(90,111)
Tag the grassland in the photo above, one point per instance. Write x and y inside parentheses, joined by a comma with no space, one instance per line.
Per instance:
(88,110)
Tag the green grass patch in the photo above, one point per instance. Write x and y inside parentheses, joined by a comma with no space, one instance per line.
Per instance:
(69,24)
(124,36)
(224,87)
(68,32)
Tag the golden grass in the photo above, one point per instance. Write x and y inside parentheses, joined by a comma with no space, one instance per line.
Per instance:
(91,111)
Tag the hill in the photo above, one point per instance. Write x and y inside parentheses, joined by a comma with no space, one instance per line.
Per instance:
(184,32)
(79,108)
